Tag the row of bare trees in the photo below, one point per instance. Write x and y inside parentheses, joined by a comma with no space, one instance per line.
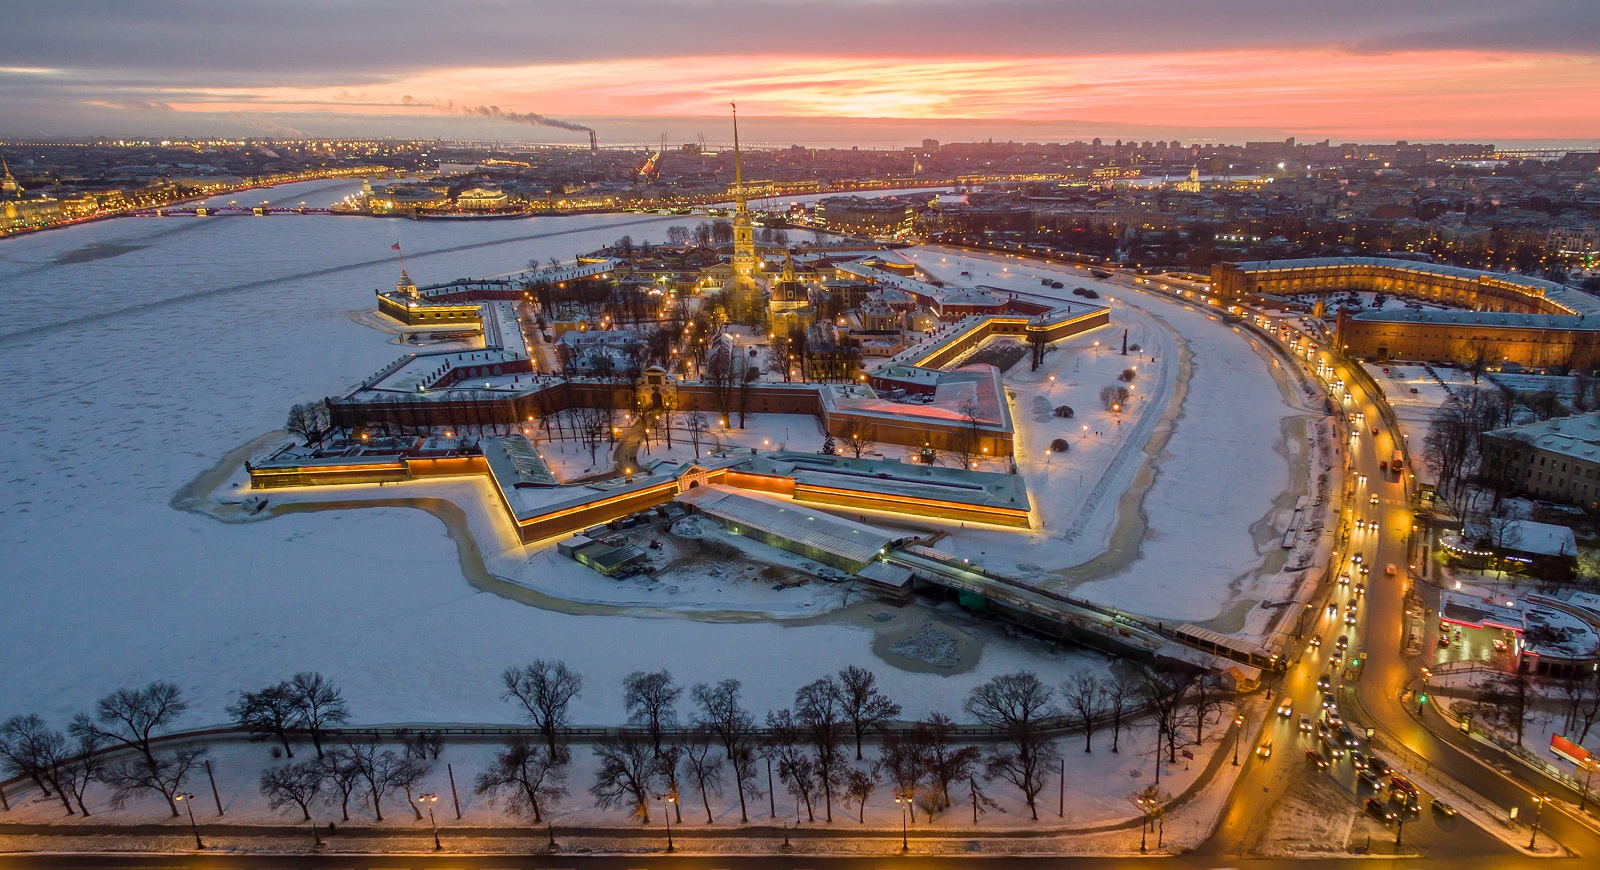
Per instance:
(806,749)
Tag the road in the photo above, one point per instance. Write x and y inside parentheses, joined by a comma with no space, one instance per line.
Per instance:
(664,862)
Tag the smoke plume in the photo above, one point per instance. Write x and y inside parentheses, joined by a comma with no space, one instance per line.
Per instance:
(498,114)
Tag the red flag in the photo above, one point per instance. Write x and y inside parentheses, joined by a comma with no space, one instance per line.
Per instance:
(395,246)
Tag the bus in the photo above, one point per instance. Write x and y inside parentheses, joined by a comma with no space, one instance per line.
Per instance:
(1396,462)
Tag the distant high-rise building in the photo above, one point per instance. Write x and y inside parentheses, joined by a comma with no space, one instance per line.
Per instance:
(930,145)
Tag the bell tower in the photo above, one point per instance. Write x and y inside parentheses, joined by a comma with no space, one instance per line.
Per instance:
(744,236)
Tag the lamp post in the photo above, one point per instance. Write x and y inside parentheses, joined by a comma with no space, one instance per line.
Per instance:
(1538,812)
(1238,737)
(903,798)
(667,798)
(428,800)
(188,804)
(1587,767)
(1144,817)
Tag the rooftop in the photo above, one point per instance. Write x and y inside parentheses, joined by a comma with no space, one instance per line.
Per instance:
(1578,437)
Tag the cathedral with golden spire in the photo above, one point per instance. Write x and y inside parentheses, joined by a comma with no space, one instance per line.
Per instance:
(743,293)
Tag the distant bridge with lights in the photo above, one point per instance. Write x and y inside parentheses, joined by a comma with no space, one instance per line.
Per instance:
(228,211)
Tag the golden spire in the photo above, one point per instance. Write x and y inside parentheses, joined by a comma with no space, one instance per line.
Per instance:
(738,168)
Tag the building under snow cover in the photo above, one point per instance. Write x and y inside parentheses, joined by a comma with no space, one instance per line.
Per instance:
(818,536)
(1551,636)
(1557,459)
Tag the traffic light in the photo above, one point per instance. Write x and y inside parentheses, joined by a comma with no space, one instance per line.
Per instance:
(1422,699)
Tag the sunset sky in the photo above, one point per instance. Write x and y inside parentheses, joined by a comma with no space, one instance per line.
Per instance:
(873,72)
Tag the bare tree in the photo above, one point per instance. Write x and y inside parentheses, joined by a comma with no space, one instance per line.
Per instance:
(722,714)
(32,749)
(131,717)
(1016,704)
(901,763)
(407,775)
(820,711)
(268,714)
(343,777)
(545,689)
(784,744)
(297,784)
(864,704)
(82,766)
(944,761)
(704,765)
(1114,397)
(857,438)
(321,706)
(652,700)
(858,787)
(380,770)
(696,425)
(626,775)
(1166,694)
(1503,533)
(1120,694)
(531,778)
(1083,695)
(670,768)
(164,776)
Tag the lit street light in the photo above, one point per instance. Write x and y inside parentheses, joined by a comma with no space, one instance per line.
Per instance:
(188,804)
(429,800)
(1238,737)
(667,798)
(1538,812)
(904,800)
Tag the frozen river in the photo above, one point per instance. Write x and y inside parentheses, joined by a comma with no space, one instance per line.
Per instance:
(137,352)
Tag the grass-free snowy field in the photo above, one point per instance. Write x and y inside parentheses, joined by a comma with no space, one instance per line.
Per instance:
(1186,530)
(131,373)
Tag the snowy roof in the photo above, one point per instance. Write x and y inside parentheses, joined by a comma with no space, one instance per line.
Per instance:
(884,476)
(1508,319)
(1527,536)
(850,541)
(1573,299)
(1578,436)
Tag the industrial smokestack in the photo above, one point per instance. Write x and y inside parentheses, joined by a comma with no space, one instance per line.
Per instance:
(594,143)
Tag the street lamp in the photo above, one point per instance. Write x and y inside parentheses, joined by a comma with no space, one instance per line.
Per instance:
(1238,737)
(903,798)
(667,798)
(188,804)
(1538,812)
(1588,767)
(428,800)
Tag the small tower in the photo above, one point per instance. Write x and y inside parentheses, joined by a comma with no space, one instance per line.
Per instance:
(8,184)
(406,286)
(744,236)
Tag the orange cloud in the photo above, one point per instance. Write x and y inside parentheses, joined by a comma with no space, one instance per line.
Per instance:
(1417,94)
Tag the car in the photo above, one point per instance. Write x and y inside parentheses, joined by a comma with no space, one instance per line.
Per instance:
(1374,430)
(1380,811)
(1374,498)
(1499,645)
(1361,588)
(1265,750)
(1443,808)
(1324,682)
(1316,758)
(1401,785)
(1366,570)
(1368,779)
(1333,609)
(1316,641)
(1286,708)
(1348,736)
(1305,723)
(1343,642)
(1361,524)
(1336,658)
(1350,618)
(1358,760)
(1328,702)
(1378,766)
(1344,579)
(1356,558)
(1389,569)
(1351,606)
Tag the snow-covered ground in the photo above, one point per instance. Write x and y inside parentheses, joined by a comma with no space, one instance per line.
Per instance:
(1415,410)
(1214,511)
(131,374)
(1099,787)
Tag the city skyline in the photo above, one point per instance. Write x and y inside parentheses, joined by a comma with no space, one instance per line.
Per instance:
(873,74)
